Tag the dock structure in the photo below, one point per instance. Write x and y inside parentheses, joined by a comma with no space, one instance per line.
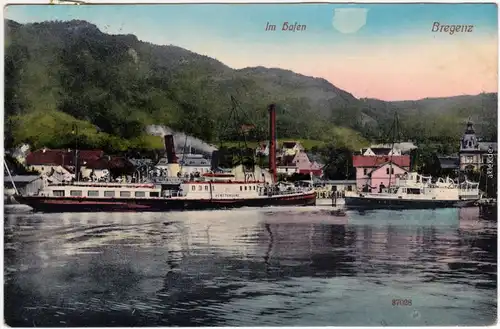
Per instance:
(22,184)
(487,202)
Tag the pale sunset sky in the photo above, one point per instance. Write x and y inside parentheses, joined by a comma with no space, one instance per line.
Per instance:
(390,54)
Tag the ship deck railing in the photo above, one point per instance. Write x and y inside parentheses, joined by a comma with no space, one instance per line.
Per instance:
(288,192)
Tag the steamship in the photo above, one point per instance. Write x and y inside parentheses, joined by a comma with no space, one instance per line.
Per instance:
(412,191)
(211,190)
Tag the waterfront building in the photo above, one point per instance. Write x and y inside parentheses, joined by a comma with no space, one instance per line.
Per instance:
(299,163)
(473,154)
(189,164)
(25,184)
(375,171)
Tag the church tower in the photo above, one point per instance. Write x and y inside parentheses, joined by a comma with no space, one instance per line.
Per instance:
(470,154)
(469,140)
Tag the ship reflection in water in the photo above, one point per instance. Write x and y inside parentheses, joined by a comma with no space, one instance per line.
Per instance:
(248,267)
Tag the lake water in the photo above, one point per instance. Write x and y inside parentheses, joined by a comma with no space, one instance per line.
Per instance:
(251,267)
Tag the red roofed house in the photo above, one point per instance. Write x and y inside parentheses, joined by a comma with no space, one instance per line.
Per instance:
(97,169)
(46,161)
(300,164)
(374,171)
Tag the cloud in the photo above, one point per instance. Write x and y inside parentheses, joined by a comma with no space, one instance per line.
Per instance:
(349,20)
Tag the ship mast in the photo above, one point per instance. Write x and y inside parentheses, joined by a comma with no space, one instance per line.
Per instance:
(395,132)
(272,142)
(240,119)
(75,132)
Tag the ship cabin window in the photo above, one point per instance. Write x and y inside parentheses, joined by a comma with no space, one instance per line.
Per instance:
(92,193)
(241,188)
(109,194)
(125,194)
(206,187)
(140,194)
(58,192)
(75,193)
(200,188)
(193,188)
(413,191)
(154,194)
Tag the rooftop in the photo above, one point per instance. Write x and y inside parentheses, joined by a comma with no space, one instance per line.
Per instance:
(375,161)
(449,162)
(21,178)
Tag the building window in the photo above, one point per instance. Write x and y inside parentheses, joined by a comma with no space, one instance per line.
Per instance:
(241,188)
(245,188)
(75,193)
(140,194)
(206,187)
(154,194)
(365,171)
(109,194)
(93,193)
(58,192)
(125,194)
(200,188)
(193,188)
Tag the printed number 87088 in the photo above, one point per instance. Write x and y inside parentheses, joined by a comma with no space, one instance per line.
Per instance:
(401,302)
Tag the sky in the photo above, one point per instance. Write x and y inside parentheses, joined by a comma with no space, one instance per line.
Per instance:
(384,51)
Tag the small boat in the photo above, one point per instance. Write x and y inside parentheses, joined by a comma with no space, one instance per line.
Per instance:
(413,190)
(339,213)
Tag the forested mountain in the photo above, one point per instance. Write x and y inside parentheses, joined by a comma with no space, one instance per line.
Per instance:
(62,74)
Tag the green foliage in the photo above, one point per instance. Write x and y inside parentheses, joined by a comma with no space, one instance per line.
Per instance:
(58,74)
(339,163)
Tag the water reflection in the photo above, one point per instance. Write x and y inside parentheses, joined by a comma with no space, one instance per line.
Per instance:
(296,266)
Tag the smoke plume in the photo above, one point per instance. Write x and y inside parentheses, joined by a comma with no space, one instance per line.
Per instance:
(181,139)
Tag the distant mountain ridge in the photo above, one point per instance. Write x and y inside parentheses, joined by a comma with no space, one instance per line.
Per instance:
(121,84)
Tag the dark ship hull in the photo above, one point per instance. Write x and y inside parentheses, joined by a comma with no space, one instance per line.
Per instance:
(389,203)
(62,204)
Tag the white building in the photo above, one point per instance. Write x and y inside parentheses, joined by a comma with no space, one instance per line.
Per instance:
(188,163)
(380,151)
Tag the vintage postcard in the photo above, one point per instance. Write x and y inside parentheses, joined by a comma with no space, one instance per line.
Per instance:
(300,164)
